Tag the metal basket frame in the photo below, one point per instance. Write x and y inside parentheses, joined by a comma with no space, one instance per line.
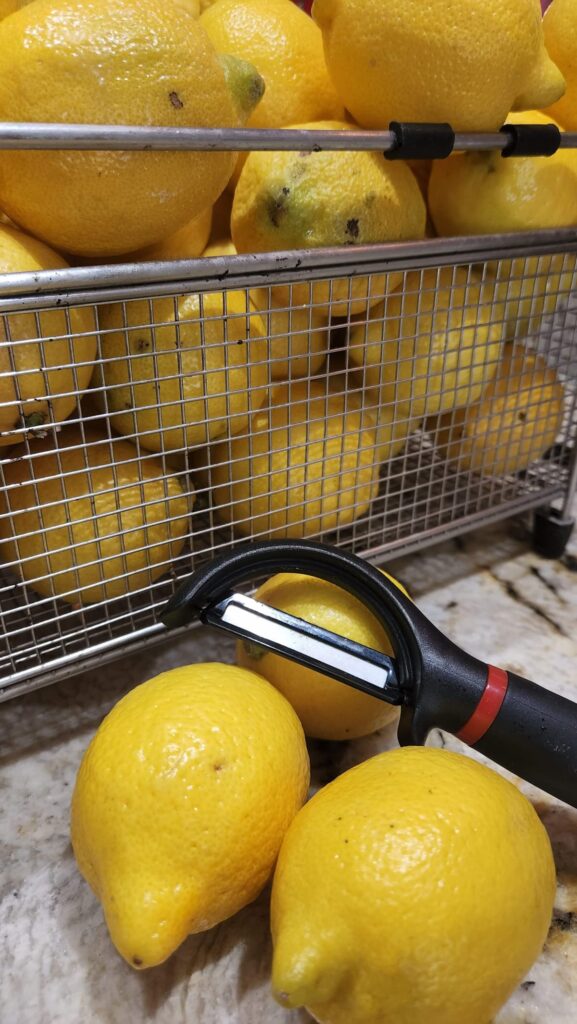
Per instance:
(104,632)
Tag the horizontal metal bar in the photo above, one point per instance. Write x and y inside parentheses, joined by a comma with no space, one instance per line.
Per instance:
(111,137)
(97,284)
(37,676)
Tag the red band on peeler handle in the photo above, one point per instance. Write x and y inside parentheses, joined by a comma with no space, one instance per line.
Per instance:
(488,707)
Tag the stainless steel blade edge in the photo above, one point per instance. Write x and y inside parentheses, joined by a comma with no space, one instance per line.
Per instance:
(342,659)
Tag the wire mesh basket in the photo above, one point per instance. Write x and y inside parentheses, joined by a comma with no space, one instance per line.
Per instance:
(380,398)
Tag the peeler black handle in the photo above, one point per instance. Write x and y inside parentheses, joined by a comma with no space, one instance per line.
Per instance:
(523,727)
(534,734)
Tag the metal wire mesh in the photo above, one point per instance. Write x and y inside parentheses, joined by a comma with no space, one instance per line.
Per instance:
(156,417)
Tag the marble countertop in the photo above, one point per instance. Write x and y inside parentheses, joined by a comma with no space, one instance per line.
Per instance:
(486,590)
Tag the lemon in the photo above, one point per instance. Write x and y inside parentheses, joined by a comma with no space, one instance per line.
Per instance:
(310,200)
(469,62)
(196,377)
(328,710)
(560,31)
(46,359)
(114,62)
(416,888)
(286,48)
(9,6)
(432,346)
(90,523)
(192,5)
(187,243)
(395,421)
(220,247)
(531,287)
(181,803)
(306,465)
(298,336)
(518,418)
(481,193)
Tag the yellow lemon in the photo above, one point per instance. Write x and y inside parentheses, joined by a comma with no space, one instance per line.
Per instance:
(481,193)
(531,287)
(114,62)
(46,359)
(517,419)
(187,243)
(417,888)
(195,378)
(90,520)
(286,48)
(310,200)
(305,466)
(328,710)
(220,247)
(298,336)
(181,803)
(469,62)
(9,6)
(433,345)
(560,31)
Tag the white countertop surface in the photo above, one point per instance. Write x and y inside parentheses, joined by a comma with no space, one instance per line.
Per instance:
(487,591)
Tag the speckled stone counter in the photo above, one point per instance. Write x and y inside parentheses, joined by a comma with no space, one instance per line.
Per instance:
(487,591)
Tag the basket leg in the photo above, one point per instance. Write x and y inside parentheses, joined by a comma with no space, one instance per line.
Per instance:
(551,532)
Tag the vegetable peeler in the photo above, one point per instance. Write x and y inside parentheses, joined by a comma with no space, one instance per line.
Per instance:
(518,724)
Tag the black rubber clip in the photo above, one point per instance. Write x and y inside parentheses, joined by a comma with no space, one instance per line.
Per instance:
(531,139)
(416,141)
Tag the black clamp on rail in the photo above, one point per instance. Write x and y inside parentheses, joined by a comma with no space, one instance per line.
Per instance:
(416,141)
(531,139)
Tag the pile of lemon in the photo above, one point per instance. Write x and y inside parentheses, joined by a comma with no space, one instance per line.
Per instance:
(280,445)
(416,887)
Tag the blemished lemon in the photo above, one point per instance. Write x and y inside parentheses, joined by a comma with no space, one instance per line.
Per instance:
(309,200)
(471,62)
(306,465)
(328,710)
(46,359)
(90,523)
(114,62)
(517,419)
(298,336)
(417,888)
(481,193)
(187,243)
(197,377)
(434,345)
(181,803)
(560,31)
(286,48)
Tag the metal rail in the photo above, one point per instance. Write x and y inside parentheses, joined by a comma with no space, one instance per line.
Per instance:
(40,136)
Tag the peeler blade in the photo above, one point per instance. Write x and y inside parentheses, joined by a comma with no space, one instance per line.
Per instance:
(269,629)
